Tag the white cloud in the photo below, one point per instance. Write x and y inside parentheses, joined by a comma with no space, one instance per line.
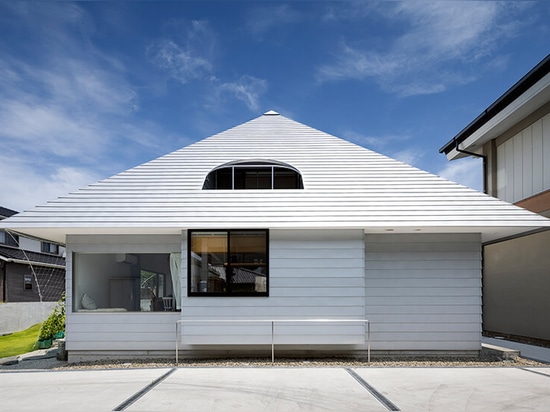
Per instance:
(182,64)
(24,186)
(186,55)
(263,19)
(438,42)
(409,156)
(467,172)
(248,89)
(66,110)
(374,142)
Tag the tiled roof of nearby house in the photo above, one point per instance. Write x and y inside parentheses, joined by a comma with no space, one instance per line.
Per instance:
(528,94)
(345,186)
(8,253)
(5,212)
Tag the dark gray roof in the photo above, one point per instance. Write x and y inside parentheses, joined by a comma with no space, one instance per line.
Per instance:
(5,212)
(526,82)
(8,253)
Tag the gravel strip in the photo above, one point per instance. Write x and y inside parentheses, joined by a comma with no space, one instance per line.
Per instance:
(306,363)
(41,360)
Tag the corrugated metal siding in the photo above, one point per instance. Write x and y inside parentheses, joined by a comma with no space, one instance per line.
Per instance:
(312,274)
(521,168)
(423,291)
(346,186)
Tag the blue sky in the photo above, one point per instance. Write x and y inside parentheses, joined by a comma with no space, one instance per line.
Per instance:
(90,89)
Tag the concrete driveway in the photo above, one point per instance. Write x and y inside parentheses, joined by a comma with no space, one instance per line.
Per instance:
(278,389)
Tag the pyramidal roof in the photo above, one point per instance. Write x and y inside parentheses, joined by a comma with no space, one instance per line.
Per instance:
(345,186)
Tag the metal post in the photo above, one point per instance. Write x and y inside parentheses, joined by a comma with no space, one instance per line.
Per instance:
(177,339)
(368,343)
(272,342)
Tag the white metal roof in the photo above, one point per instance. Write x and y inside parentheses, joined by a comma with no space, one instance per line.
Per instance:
(345,186)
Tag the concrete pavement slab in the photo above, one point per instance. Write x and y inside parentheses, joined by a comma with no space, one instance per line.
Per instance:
(461,389)
(258,389)
(218,389)
(82,390)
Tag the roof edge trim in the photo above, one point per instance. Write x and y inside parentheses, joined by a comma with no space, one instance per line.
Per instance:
(520,87)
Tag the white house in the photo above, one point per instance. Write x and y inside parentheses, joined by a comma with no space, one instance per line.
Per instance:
(273,219)
(513,137)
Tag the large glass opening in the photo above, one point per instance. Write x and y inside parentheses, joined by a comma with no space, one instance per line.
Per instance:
(228,262)
(134,282)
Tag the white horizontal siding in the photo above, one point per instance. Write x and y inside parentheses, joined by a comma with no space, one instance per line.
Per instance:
(429,301)
(521,169)
(121,331)
(312,274)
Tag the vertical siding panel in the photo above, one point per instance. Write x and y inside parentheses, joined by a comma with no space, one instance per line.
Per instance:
(517,142)
(527,161)
(509,170)
(501,171)
(546,151)
(431,302)
(538,161)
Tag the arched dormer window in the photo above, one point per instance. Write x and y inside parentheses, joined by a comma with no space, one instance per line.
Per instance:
(253,175)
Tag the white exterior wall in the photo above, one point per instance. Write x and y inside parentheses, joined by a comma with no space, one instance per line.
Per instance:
(420,292)
(521,169)
(127,331)
(423,291)
(312,274)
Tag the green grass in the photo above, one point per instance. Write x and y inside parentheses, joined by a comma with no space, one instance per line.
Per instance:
(19,342)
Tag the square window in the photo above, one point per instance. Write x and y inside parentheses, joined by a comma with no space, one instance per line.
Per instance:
(228,263)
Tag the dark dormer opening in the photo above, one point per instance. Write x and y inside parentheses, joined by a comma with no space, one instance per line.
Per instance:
(253,175)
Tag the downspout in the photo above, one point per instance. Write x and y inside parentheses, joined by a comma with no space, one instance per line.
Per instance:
(458,149)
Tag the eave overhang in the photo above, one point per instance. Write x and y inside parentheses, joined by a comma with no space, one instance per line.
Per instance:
(531,92)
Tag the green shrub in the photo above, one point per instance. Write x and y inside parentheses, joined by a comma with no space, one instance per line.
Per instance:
(55,323)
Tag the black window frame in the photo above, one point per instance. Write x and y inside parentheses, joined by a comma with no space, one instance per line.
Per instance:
(253,175)
(227,293)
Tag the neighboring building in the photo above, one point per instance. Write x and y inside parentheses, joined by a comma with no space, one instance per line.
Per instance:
(273,219)
(31,270)
(513,137)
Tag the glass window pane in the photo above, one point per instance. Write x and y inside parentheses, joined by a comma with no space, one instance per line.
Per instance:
(286,179)
(252,178)
(208,258)
(111,282)
(247,269)
(224,178)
